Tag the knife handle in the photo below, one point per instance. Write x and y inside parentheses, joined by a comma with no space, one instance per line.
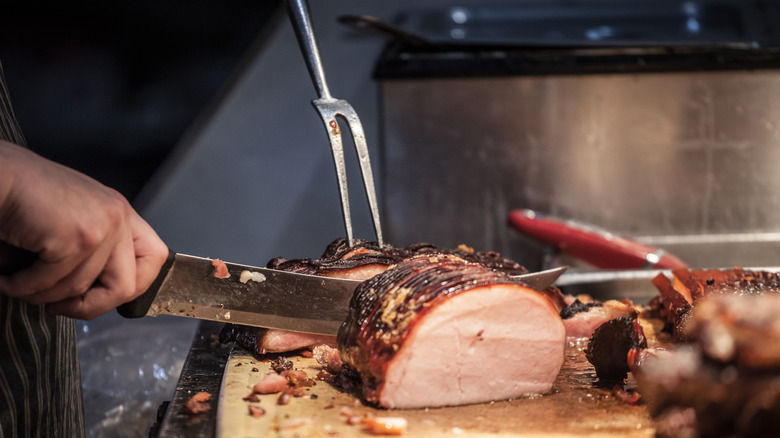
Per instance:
(139,306)
(595,246)
(14,259)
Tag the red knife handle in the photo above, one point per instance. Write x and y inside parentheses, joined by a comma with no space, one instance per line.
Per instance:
(599,248)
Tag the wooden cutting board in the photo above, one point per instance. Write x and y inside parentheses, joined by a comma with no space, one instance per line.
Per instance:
(575,408)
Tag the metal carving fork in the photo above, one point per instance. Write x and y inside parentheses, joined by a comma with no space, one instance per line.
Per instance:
(329,108)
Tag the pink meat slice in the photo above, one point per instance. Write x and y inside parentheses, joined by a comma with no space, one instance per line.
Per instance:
(271,384)
(490,343)
(583,324)
(281,341)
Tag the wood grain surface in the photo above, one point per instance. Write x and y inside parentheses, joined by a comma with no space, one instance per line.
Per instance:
(575,408)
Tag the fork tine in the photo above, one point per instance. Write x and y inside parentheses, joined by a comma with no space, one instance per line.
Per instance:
(359,138)
(334,135)
(329,109)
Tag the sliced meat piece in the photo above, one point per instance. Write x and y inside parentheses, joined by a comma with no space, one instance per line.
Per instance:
(271,384)
(613,348)
(280,341)
(436,330)
(743,330)
(726,382)
(582,319)
(687,287)
(262,341)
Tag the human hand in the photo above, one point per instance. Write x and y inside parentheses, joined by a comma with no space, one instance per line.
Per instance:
(94,251)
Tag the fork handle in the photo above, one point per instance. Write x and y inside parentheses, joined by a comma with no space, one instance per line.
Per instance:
(299,16)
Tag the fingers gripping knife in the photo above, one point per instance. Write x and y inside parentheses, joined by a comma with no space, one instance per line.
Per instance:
(329,108)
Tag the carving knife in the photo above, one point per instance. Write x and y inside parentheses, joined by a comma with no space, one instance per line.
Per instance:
(187,286)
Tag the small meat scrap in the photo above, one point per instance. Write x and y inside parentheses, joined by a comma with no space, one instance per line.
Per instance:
(256,411)
(198,403)
(247,276)
(351,416)
(220,269)
(373,424)
(328,357)
(294,423)
(252,398)
(271,384)
(629,397)
(296,391)
(384,425)
(284,398)
(298,378)
(281,363)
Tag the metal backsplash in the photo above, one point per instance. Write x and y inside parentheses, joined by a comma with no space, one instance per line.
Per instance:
(686,160)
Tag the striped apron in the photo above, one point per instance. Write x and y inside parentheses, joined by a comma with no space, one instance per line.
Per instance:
(40,380)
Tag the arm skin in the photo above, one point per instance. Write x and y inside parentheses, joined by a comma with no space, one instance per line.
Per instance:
(94,251)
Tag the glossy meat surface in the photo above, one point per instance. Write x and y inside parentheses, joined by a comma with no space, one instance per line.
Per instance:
(436,330)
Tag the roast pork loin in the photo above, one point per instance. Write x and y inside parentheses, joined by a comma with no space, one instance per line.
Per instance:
(436,330)
(361,261)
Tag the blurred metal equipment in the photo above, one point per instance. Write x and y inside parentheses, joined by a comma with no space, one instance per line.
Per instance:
(655,120)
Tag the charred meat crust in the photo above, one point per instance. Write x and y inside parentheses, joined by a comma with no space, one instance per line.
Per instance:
(577,307)
(701,283)
(727,382)
(384,309)
(611,347)
(680,295)
(250,338)
(340,256)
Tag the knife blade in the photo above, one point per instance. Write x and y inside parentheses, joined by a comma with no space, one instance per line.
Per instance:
(186,286)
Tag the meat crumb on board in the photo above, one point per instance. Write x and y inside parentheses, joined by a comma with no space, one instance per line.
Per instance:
(373,424)
(198,403)
(256,411)
(294,423)
(289,382)
(271,384)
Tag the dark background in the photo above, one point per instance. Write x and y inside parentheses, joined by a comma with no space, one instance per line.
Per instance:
(110,87)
